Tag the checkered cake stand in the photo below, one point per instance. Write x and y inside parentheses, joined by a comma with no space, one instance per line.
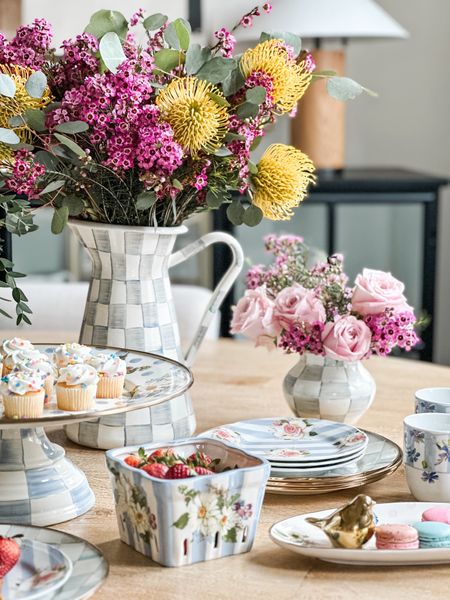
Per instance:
(130,305)
(39,485)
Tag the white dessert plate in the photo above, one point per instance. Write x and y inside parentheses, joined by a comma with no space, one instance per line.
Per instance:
(318,463)
(150,379)
(89,567)
(292,439)
(304,471)
(40,572)
(297,535)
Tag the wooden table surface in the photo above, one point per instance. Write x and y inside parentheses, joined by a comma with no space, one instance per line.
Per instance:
(233,381)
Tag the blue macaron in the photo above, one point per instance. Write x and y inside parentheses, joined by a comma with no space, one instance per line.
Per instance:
(433,534)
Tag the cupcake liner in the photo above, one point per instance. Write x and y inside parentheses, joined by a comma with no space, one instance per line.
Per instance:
(75,397)
(29,405)
(110,387)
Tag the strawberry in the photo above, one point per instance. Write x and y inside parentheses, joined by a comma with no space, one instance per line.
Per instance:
(179,471)
(200,459)
(132,461)
(156,470)
(9,555)
(203,471)
(161,453)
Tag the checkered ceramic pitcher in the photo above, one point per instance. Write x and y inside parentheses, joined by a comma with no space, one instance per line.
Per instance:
(130,306)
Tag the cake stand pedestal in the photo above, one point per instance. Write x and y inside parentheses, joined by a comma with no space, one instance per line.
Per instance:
(39,485)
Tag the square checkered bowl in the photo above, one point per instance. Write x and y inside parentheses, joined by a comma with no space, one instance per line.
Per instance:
(184,521)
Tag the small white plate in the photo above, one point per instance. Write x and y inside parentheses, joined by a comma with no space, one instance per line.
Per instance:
(292,439)
(317,463)
(40,572)
(297,535)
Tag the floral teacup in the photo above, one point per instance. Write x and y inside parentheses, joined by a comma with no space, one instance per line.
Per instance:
(427,456)
(433,400)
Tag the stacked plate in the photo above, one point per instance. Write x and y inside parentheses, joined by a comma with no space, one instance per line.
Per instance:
(312,455)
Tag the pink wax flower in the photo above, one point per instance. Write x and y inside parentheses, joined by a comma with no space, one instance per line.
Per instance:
(267,7)
(375,291)
(347,338)
(295,304)
(253,317)
(310,63)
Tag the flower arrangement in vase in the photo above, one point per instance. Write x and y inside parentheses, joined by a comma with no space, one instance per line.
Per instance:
(312,312)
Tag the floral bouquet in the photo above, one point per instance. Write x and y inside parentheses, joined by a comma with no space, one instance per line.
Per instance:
(116,131)
(301,309)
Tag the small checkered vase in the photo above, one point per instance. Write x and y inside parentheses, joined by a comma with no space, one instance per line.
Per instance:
(329,389)
(130,306)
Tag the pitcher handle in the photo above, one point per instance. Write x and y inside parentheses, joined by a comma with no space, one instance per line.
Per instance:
(222,288)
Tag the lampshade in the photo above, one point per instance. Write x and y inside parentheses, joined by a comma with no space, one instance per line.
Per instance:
(355,19)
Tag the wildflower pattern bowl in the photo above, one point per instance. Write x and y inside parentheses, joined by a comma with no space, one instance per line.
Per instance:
(184,521)
(433,400)
(427,456)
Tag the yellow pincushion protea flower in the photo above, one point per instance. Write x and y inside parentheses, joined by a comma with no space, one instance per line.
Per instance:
(190,106)
(14,107)
(290,79)
(281,183)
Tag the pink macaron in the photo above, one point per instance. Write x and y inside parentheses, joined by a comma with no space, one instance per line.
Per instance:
(437,513)
(396,537)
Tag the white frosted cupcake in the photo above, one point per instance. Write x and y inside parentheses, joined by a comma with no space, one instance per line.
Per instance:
(76,387)
(23,395)
(44,368)
(111,371)
(69,354)
(13,361)
(13,345)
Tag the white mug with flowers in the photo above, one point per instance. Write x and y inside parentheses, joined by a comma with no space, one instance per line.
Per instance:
(332,327)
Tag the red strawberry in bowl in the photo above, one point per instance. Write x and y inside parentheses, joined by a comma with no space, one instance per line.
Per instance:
(200,459)
(9,555)
(180,471)
(156,470)
(203,471)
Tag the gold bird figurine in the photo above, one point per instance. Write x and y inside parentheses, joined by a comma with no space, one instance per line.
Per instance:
(350,526)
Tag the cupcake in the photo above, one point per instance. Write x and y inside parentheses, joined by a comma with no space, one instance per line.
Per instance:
(111,371)
(76,387)
(12,361)
(13,345)
(69,354)
(23,395)
(44,368)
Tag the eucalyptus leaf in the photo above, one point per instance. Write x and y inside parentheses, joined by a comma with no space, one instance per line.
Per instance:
(72,127)
(104,21)
(233,82)
(111,51)
(16,121)
(196,57)
(252,168)
(52,187)
(70,144)
(145,200)
(59,220)
(256,95)
(235,212)
(75,204)
(215,200)
(216,69)
(8,136)
(22,146)
(177,34)
(155,21)
(256,142)
(49,161)
(222,152)
(167,59)
(7,86)
(247,110)
(324,73)
(289,38)
(343,88)
(176,183)
(253,216)
(35,119)
(219,99)
(231,137)
(36,84)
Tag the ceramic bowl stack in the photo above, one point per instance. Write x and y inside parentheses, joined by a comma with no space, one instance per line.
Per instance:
(312,455)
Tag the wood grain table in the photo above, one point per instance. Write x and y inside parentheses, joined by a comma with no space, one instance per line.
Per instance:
(234,381)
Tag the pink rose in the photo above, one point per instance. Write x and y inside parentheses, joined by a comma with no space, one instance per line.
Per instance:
(253,316)
(347,338)
(375,291)
(296,304)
